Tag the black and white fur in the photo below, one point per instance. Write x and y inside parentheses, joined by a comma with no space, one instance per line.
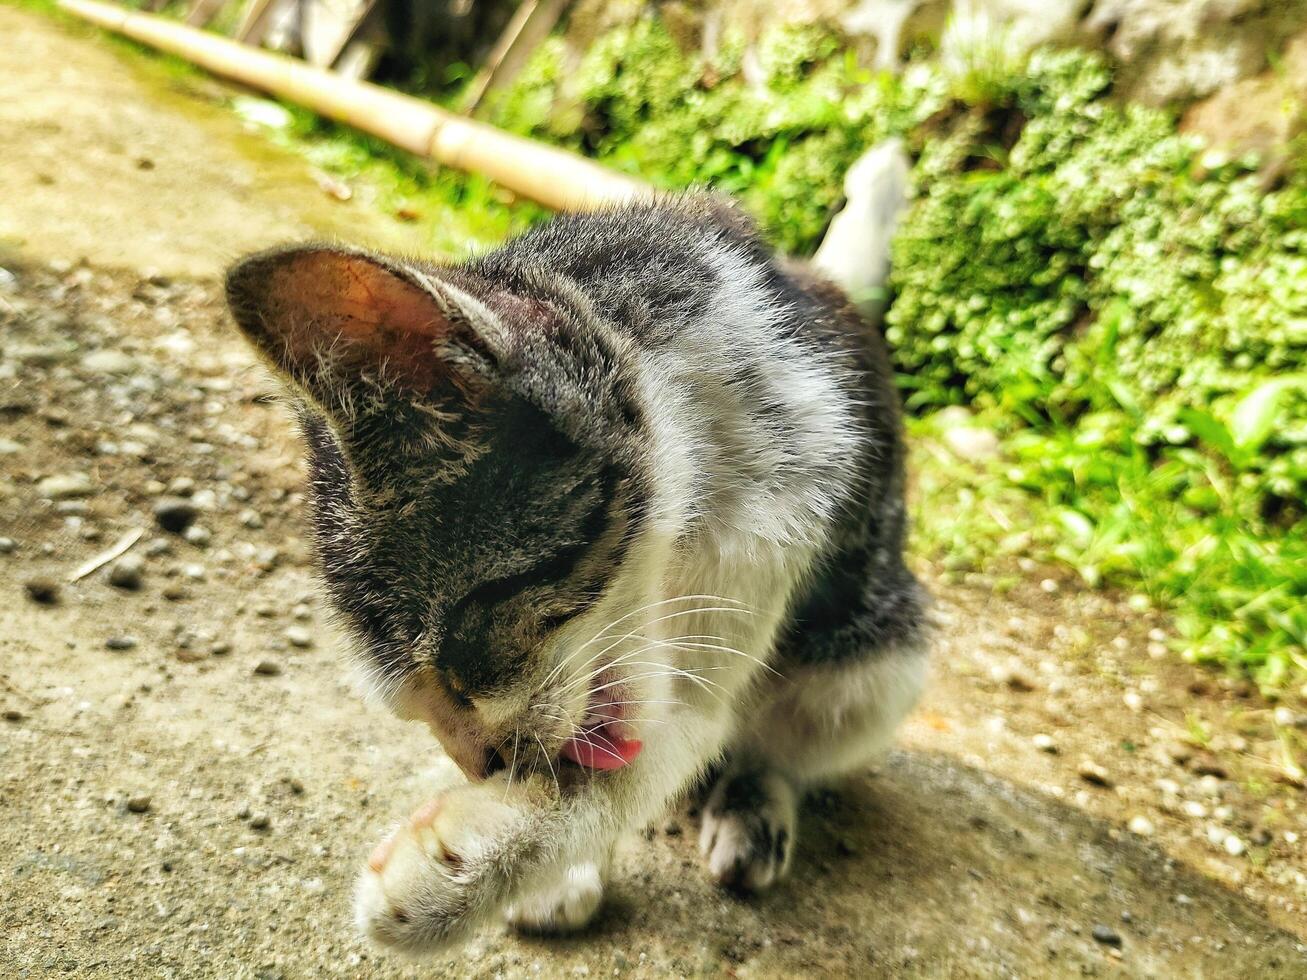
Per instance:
(630,465)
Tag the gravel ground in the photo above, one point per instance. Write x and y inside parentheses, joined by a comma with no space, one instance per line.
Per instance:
(188,782)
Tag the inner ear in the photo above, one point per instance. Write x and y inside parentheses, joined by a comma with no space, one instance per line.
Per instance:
(318,311)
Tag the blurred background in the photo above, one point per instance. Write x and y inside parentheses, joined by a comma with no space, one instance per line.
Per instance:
(1097,307)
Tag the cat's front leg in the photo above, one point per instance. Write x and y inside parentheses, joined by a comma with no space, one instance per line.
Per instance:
(452,866)
(531,853)
(566,904)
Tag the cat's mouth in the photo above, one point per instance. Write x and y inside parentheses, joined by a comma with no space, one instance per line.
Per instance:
(605,740)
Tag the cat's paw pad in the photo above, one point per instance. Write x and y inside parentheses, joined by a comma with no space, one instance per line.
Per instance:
(425,885)
(747,834)
(565,907)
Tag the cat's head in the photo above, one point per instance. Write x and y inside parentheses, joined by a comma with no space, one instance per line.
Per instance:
(478,486)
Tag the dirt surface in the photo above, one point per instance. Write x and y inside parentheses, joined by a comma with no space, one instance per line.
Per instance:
(195,803)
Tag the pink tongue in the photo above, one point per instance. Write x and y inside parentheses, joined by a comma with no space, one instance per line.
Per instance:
(601,749)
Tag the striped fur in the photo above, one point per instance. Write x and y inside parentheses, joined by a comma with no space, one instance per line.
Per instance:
(629,452)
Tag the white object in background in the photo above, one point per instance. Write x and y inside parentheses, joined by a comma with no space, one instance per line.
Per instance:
(855,251)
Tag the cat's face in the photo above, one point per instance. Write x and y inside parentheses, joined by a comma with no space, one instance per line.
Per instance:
(477,491)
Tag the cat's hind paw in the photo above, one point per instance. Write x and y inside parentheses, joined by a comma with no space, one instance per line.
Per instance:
(437,877)
(566,907)
(747,833)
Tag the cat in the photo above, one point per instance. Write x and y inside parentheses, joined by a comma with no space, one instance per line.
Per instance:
(615,506)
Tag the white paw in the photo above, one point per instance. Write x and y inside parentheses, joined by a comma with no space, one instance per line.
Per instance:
(565,907)
(436,878)
(747,833)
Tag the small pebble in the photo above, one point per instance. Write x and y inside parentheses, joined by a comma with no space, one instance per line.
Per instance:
(268,668)
(65,486)
(1142,826)
(220,648)
(42,590)
(198,535)
(1106,935)
(260,821)
(299,636)
(8,546)
(12,714)
(128,572)
(139,804)
(1234,846)
(1045,743)
(1092,772)
(120,643)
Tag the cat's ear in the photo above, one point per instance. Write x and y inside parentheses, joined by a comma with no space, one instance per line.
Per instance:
(328,316)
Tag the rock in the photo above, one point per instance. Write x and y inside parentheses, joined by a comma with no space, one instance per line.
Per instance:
(1045,743)
(268,668)
(42,590)
(1011,677)
(1092,772)
(251,518)
(260,821)
(971,444)
(220,648)
(1233,845)
(175,514)
(1206,764)
(128,572)
(139,804)
(12,714)
(198,535)
(66,485)
(299,636)
(120,643)
(175,592)
(109,362)
(8,546)
(1106,935)
(1142,826)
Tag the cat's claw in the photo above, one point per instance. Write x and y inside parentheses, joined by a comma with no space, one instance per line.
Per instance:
(747,833)
(432,881)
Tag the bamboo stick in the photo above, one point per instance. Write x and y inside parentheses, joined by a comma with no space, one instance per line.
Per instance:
(553,177)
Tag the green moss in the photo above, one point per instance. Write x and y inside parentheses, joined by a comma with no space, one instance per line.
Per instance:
(639,103)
